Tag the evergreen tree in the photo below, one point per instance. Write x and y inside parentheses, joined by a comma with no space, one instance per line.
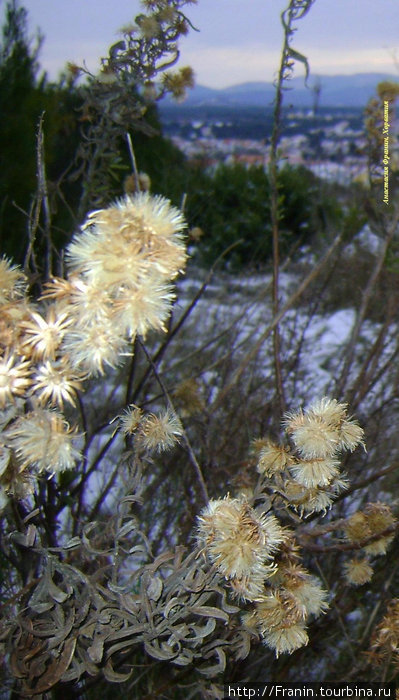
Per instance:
(21,92)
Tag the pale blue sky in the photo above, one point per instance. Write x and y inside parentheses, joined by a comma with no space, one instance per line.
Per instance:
(239,40)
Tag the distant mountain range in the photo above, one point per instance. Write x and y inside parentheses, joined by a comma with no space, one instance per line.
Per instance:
(335,91)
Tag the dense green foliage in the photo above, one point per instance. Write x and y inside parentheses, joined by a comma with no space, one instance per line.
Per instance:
(25,98)
(233,204)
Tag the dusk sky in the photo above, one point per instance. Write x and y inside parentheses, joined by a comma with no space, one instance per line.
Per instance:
(239,40)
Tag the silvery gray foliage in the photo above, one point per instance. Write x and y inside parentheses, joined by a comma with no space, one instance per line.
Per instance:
(75,625)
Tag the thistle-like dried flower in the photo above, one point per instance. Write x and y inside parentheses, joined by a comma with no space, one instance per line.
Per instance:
(289,552)
(277,609)
(379,518)
(305,588)
(238,540)
(5,454)
(55,382)
(120,245)
(351,435)
(250,587)
(130,419)
(188,397)
(358,571)
(273,458)
(379,547)
(323,429)
(43,441)
(91,347)
(287,639)
(195,234)
(14,378)
(315,472)
(159,433)
(176,82)
(307,501)
(328,410)
(43,336)
(314,438)
(144,307)
(376,518)
(386,637)
(87,303)
(149,26)
(12,315)
(137,183)
(356,527)
(12,281)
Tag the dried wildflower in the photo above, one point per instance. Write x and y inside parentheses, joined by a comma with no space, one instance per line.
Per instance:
(317,500)
(289,550)
(250,587)
(293,421)
(238,540)
(287,639)
(87,304)
(351,435)
(149,26)
(328,410)
(14,378)
(356,527)
(160,432)
(305,588)
(12,316)
(137,183)
(10,330)
(312,596)
(338,485)
(167,14)
(315,472)
(4,458)
(130,419)
(379,547)
(43,336)
(10,412)
(379,518)
(145,307)
(188,397)
(323,429)
(358,571)
(362,525)
(90,347)
(177,82)
(195,234)
(277,609)
(12,281)
(121,244)
(272,458)
(386,637)
(55,383)
(43,441)
(314,438)
(3,499)
(306,500)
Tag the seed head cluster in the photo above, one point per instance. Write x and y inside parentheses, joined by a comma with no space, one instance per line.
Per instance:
(120,268)
(308,469)
(260,559)
(371,530)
